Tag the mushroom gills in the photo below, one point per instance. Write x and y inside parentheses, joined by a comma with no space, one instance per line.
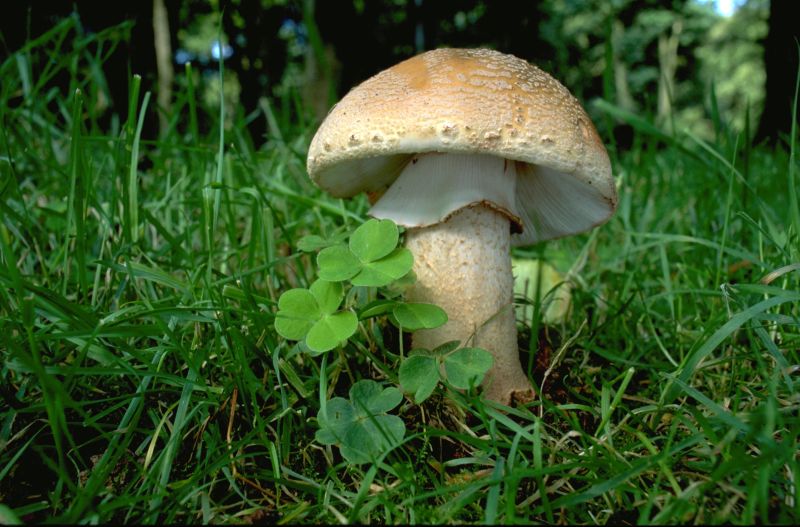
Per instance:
(434,186)
(553,204)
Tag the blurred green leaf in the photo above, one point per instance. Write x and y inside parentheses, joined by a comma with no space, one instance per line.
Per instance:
(360,427)
(314,242)
(419,375)
(8,517)
(413,316)
(467,366)
(377,308)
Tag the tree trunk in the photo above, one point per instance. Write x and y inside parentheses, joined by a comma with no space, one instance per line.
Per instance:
(623,92)
(668,63)
(166,72)
(780,62)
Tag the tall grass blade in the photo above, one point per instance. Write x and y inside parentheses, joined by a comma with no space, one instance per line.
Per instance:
(794,181)
(692,361)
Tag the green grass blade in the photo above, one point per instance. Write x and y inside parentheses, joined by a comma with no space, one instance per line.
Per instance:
(689,365)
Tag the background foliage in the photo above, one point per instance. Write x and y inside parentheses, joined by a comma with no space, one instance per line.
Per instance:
(646,56)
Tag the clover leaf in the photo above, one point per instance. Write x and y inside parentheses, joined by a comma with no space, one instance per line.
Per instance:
(337,263)
(377,308)
(413,316)
(466,367)
(374,239)
(360,427)
(311,315)
(386,270)
(315,242)
(419,375)
(371,257)
(463,368)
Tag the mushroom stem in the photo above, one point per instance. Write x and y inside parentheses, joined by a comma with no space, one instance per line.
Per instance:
(463,265)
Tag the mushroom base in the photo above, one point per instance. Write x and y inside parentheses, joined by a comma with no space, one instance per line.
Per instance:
(463,265)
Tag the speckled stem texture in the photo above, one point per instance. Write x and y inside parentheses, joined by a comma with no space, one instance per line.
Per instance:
(464,266)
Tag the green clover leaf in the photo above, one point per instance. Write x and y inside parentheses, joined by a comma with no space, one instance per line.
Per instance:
(421,371)
(333,426)
(377,308)
(328,295)
(413,316)
(360,427)
(386,270)
(311,314)
(371,258)
(371,399)
(467,366)
(297,312)
(337,263)
(371,437)
(314,242)
(331,330)
(419,375)
(374,239)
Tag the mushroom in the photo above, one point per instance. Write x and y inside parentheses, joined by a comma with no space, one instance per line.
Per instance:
(473,151)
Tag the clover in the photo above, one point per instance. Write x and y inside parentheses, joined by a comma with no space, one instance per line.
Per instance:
(371,258)
(360,427)
(463,368)
(311,315)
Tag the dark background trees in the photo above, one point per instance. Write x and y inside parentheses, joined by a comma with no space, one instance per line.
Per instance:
(653,58)
(781,62)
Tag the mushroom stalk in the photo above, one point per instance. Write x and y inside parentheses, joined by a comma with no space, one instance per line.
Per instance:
(459,210)
(463,265)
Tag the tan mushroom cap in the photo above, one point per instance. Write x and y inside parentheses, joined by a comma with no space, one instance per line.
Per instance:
(469,101)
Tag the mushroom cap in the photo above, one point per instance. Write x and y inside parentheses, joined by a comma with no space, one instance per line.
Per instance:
(470,101)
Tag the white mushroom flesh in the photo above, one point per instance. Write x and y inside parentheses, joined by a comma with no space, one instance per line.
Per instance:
(434,186)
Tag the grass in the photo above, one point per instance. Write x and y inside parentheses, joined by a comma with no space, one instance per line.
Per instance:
(143,381)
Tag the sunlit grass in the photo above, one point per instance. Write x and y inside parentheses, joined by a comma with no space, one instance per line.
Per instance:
(143,381)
